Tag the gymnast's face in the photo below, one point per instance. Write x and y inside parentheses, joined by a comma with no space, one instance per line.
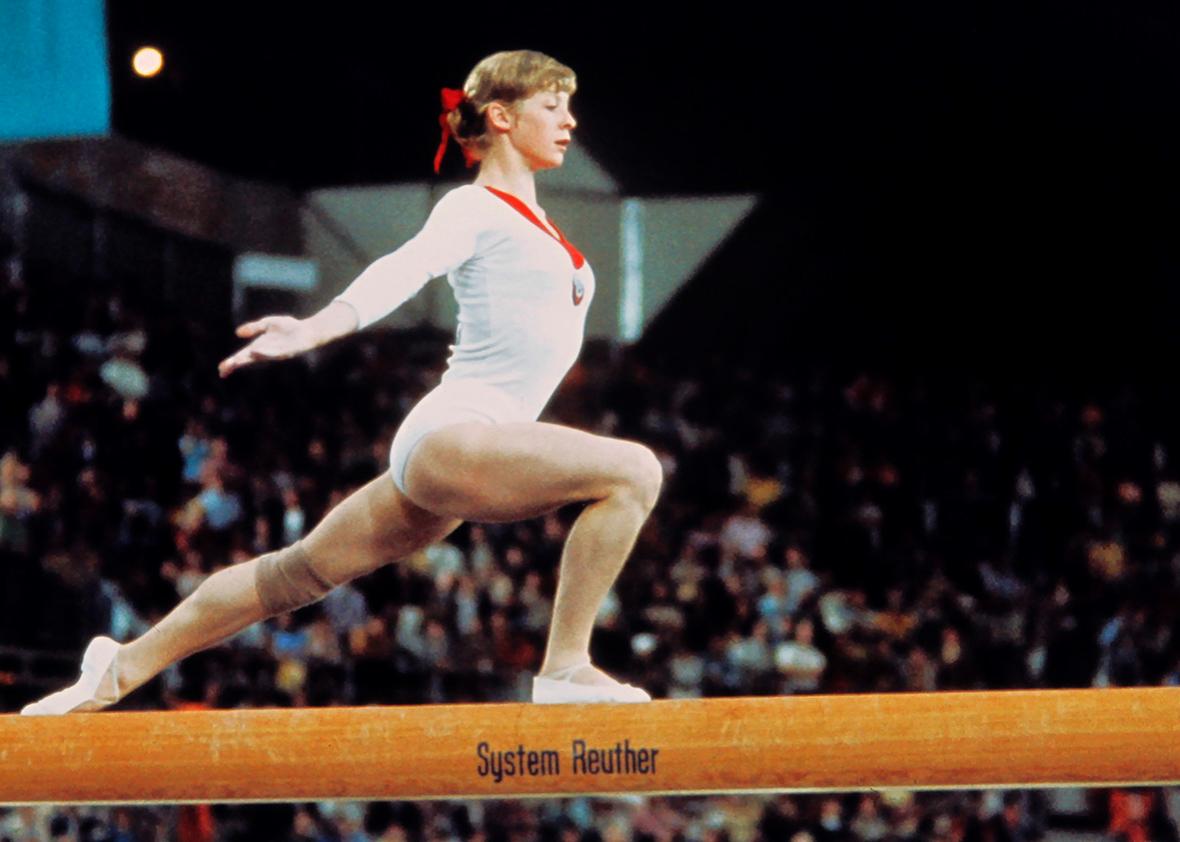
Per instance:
(542,125)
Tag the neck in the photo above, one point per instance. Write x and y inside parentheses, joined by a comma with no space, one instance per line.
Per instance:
(510,176)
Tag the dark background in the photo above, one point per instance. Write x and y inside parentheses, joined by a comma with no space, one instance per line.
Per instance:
(943,185)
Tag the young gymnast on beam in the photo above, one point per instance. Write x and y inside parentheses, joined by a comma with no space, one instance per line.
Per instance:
(472,448)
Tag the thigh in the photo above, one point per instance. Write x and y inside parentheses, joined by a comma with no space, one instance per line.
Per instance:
(517,470)
(436,410)
(374,525)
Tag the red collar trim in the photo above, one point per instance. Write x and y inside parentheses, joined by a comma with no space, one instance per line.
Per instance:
(575,255)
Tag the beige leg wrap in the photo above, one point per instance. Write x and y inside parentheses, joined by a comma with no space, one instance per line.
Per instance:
(286,580)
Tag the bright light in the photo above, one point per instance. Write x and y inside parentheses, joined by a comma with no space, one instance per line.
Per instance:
(147,61)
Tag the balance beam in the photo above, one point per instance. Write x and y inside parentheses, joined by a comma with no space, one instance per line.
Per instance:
(948,740)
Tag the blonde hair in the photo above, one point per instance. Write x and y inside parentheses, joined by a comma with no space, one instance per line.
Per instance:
(506,77)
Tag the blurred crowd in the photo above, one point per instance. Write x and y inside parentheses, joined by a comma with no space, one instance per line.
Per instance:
(818,531)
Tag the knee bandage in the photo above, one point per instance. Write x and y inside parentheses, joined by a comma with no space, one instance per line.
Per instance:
(286,580)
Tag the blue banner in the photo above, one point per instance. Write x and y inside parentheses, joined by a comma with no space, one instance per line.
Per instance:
(54,74)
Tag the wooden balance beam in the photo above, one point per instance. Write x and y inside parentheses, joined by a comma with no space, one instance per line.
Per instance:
(948,740)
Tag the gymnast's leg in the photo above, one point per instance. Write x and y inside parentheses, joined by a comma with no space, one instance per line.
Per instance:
(518,470)
(374,525)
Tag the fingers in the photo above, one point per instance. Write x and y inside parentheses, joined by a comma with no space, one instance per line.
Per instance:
(232,363)
(273,339)
(257,326)
(243,357)
(246,356)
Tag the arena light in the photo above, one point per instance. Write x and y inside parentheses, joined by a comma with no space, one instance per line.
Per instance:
(147,62)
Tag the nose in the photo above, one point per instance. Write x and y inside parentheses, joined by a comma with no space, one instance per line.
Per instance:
(569,120)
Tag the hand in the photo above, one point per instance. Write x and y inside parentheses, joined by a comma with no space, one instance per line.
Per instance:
(275,338)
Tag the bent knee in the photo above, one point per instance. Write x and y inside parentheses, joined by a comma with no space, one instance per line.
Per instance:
(645,475)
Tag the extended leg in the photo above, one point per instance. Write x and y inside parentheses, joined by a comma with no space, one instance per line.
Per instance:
(373,526)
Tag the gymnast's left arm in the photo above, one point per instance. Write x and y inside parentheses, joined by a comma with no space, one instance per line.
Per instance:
(446,240)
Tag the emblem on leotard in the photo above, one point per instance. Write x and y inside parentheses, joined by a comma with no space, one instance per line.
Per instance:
(578,292)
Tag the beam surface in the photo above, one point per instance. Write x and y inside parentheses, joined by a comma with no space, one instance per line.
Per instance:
(947,740)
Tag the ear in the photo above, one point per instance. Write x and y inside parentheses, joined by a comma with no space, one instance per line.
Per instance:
(499,116)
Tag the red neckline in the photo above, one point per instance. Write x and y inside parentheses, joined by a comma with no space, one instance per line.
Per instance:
(527,212)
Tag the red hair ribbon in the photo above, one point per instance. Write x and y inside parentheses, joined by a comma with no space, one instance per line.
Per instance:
(451,97)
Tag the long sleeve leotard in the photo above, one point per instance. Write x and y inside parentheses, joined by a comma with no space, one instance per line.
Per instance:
(522,293)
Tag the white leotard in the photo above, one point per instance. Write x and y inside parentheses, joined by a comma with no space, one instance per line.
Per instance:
(522,302)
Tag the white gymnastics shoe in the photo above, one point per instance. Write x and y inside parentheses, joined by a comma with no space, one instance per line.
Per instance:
(97,661)
(556,688)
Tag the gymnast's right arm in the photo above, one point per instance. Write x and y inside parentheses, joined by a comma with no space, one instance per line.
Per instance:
(445,241)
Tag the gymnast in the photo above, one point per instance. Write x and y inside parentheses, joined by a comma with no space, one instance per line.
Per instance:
(472,449)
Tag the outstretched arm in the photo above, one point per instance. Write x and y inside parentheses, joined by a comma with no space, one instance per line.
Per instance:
(445,241)
(280,337)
